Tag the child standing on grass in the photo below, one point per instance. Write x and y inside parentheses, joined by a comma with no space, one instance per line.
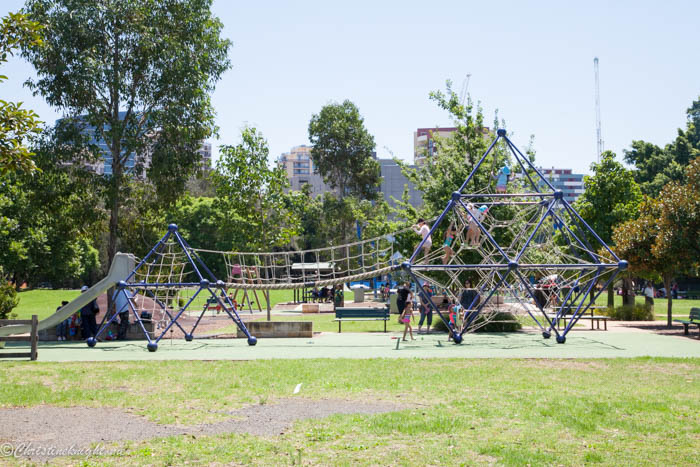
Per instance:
(406,318)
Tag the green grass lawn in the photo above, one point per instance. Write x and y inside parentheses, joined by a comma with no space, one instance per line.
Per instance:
(43,302)
(681,307)
(450,412)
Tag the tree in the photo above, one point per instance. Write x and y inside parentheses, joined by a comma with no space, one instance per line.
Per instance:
(16,123)
(656,166)
(663,241)
(456,155)
(611,197)
(140,73)
(48,218)
(343,150)
(252,195)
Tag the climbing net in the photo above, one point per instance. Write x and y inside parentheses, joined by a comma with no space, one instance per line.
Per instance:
(518,248)
(505,251)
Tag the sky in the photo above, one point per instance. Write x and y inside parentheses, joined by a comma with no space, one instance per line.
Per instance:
(531,61)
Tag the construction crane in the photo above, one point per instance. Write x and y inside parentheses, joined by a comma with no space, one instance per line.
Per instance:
(465,88)
(599,132)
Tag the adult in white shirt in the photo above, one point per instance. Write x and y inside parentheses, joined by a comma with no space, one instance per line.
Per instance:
(423,229)
(649,296)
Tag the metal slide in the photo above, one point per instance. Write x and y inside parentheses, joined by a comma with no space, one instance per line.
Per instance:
(121,266)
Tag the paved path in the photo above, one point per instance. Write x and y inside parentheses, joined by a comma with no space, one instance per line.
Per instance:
(584,344)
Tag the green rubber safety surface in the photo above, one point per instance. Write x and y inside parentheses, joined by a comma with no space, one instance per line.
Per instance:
(380,345)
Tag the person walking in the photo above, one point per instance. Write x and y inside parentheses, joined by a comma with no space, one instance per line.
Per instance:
(87,315)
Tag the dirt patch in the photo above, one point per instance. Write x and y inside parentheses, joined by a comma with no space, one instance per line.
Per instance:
(45,428)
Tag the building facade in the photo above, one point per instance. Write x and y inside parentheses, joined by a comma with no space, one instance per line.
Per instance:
(301,171)
(424,146)
(424,142)
(569,183)
(394,181)
(143,161)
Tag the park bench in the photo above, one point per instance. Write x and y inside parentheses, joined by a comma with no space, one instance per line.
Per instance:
(593,318)
(694,318)
(33,338)
(361,314)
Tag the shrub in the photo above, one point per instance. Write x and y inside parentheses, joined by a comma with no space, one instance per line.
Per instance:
(498,322)
(629,313)
(8,298)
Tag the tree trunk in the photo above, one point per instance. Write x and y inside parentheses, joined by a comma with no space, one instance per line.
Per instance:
(611,295)
(669,297)
(627,292)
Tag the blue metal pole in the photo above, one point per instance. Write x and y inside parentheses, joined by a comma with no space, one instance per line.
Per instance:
(429,299)
(530,164)
(486,232)
(159,244)
(577,314)
(476,167)
(595,297)
(450,204)
(573,211)
(182,310)
(481,306)
(187,253)
(527,242)
(583,244)
(537,188)
(237,319)
(201,262)
(532,295)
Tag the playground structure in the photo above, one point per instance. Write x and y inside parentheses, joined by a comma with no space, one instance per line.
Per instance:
(545,263)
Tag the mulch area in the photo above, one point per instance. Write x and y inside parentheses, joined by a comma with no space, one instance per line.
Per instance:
(62,428)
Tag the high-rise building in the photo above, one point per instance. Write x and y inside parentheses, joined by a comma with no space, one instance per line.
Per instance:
(104,166)
(424,143)
(569,183)
(205,152)
(301,171)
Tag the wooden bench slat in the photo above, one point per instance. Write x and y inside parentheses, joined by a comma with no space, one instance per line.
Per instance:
(9,322)
(16,355)
(16,339)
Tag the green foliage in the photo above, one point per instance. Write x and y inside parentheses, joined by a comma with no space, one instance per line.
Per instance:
(664,239)
(8,298)
(456,155)
(48,219)
(343,150)
(16,123)
(629,313)
(156,61)
(655,166)
(251,195)
(611,197)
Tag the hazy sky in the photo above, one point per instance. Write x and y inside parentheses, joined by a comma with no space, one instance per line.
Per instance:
(533,61)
